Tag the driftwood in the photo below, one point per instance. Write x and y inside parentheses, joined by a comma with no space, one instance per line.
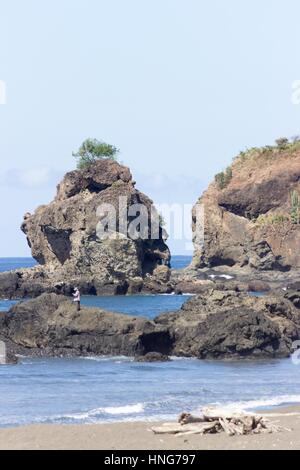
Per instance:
(187,418)
(194,428)
(214,421)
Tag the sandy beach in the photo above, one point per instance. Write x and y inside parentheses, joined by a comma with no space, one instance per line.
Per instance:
(138,436)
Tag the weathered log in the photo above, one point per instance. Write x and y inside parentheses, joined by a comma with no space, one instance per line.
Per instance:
(203,428)
(187,418)
(227,426)
(214,421)
(193,428)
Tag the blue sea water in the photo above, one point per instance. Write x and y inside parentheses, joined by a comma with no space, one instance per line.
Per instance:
(9,264)
(180,262)
(149,306)
(138,305)
(92,390)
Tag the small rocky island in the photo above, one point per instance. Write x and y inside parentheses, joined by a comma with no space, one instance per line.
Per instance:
(63,240)
(251,235)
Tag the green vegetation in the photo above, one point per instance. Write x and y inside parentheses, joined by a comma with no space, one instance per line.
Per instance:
(283,144)
(92,150)
(295,209)
(293,217)
(223,179)
(272,219)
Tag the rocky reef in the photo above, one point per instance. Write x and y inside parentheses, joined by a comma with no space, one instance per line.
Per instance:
(50,325)
(227,324)
(251,221)
(213,325)
(63,239)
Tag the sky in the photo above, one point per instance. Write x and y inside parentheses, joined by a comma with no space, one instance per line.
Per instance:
(180,86)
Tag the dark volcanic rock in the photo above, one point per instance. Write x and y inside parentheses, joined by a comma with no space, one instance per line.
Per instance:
(11,359)
(258,286)
(219,324)
(159,281)
(9,283)
(63,234)
(294,297)
(214,325)
(294,286)
(241,333)
(193,287)
(247,223)
(63,237)
(153,357)
(52,325)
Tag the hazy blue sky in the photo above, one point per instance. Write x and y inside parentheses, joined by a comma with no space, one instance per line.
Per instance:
(180,86)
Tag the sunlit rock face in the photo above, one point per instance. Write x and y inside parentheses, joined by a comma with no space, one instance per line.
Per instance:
(64,235)
(248,224)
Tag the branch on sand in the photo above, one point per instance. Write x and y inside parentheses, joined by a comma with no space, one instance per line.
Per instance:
(214,421)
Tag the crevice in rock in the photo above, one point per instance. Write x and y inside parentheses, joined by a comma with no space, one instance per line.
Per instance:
(59,241)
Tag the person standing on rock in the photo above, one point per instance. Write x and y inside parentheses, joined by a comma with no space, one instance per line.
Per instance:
(76,296)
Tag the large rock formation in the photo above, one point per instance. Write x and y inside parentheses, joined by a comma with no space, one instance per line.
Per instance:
(249,224)
(214,325)
(221,325)
(50,325)
(64,239)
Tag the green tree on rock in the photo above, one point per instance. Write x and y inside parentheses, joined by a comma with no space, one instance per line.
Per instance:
(282,143)
(92,150)
(223,179)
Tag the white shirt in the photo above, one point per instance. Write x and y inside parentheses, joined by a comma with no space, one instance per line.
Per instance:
(76,296)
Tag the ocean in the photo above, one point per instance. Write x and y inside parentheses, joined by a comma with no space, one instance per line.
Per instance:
(107,389)
(138,305)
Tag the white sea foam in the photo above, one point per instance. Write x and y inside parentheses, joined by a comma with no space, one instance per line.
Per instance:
(224,276)
(97,415)
(118,359)
(182,358)
(172,294)
(132,412)
(252,405)
(125,410)
(270,402)
(136,412)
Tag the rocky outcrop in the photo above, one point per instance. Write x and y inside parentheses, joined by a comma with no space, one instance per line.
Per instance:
(153,357)
(9,284)
(64,238)
(214,325)
(50,325)
(221,325)
(248,225)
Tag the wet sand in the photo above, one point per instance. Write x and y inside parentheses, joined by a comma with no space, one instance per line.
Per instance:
(138,436)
